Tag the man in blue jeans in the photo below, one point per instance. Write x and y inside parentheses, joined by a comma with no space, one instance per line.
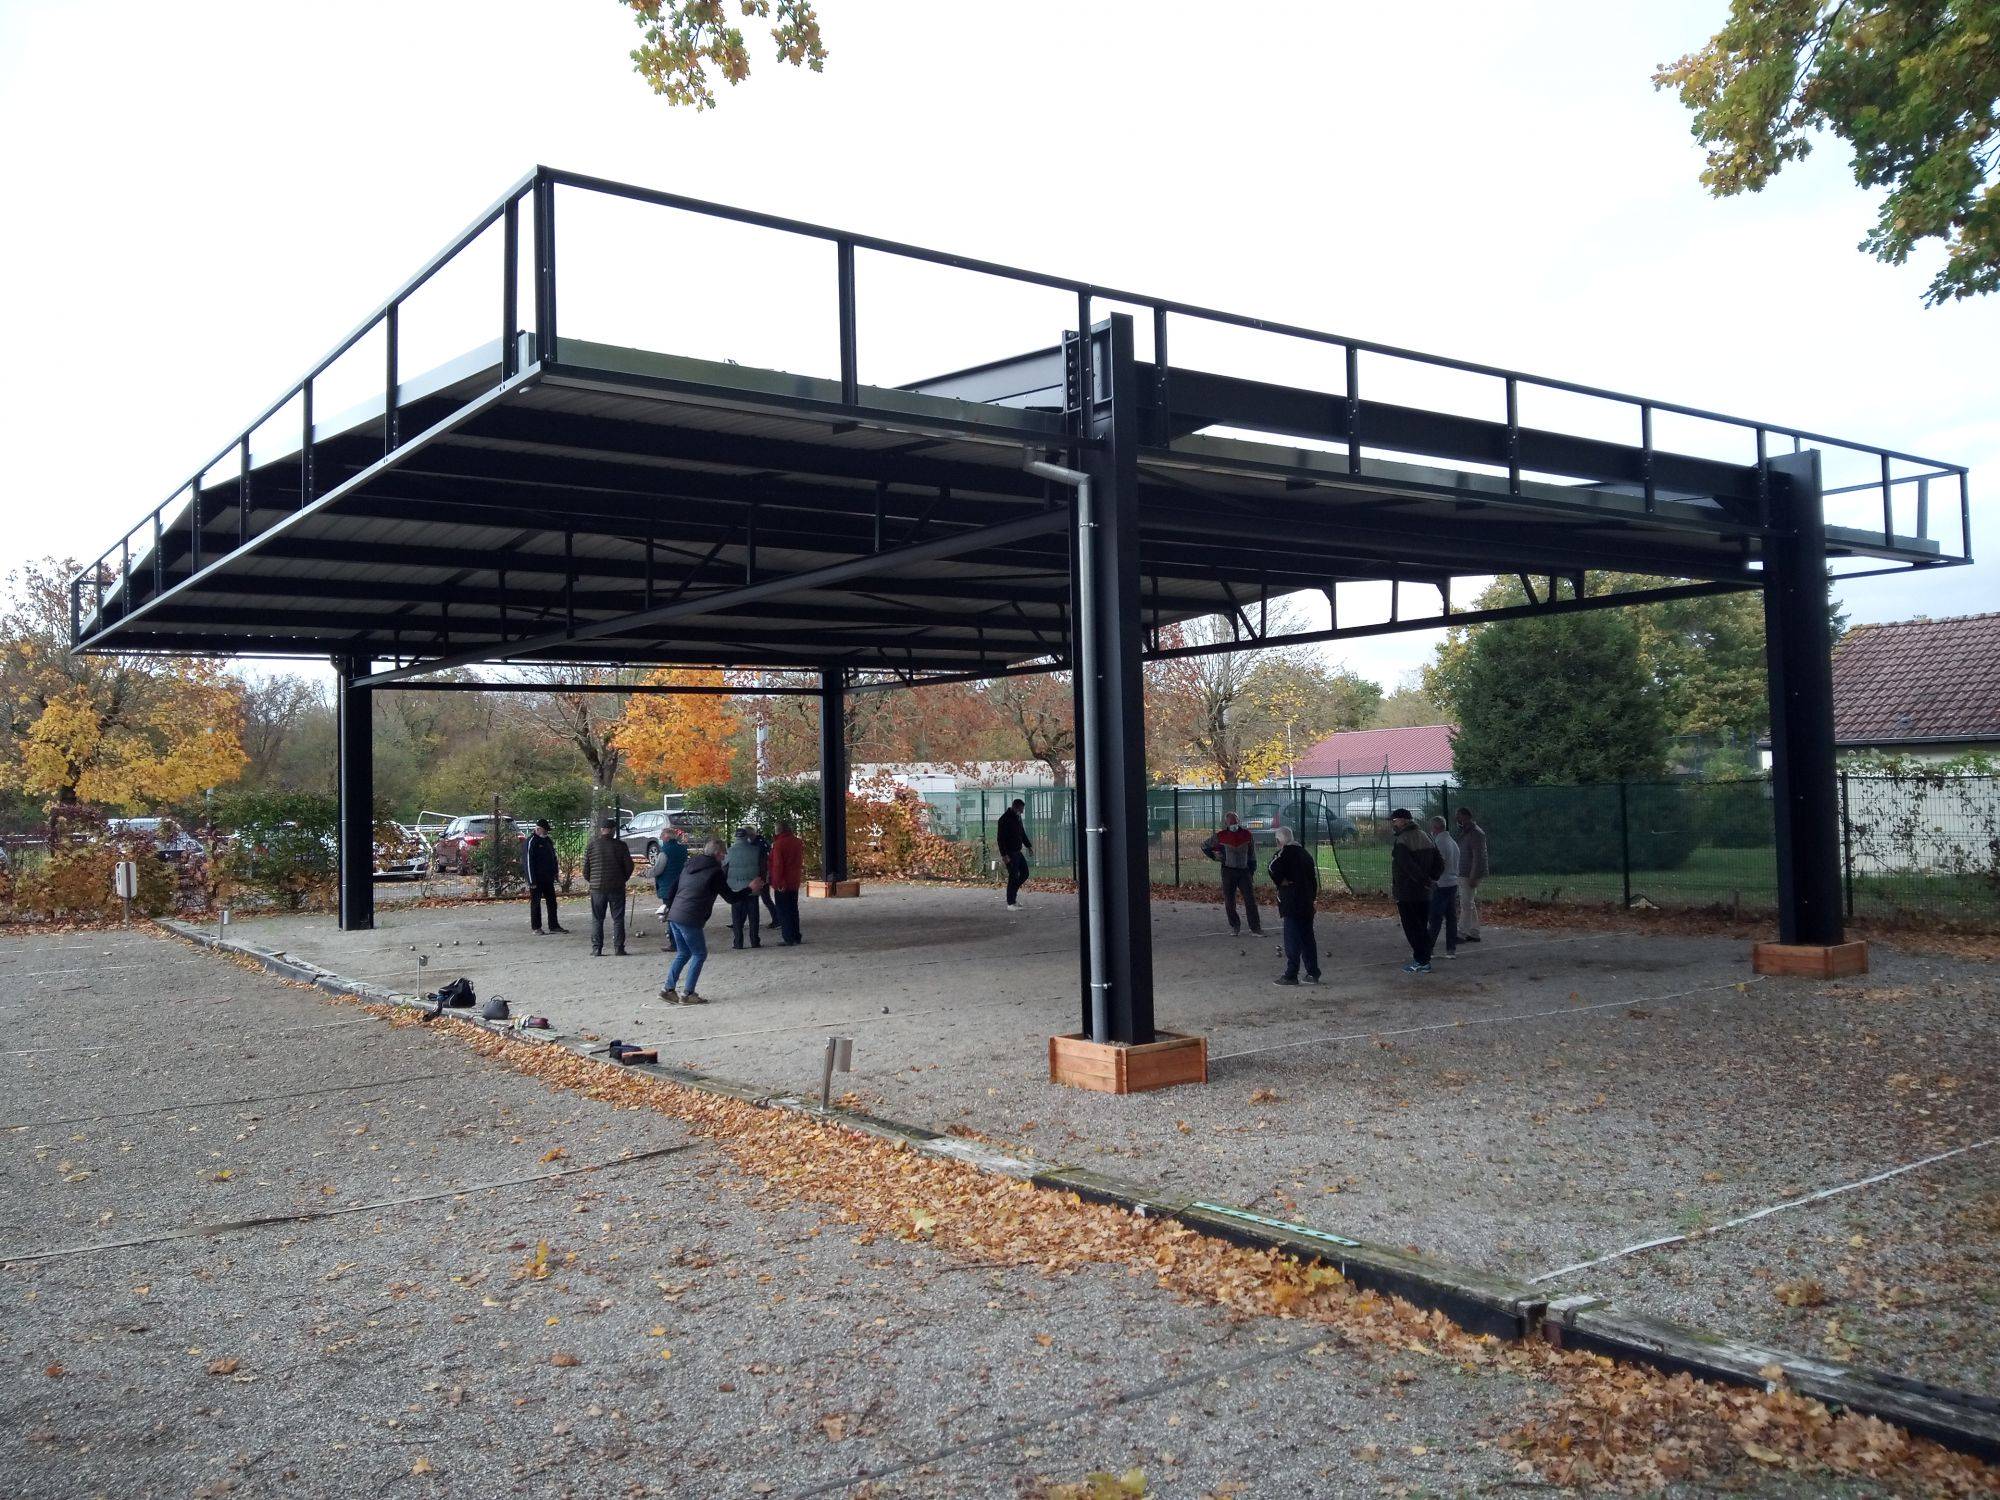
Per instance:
(702,880)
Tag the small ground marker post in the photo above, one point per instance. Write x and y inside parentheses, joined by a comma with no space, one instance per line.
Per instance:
(423,962)
(839,1058)
(221,922)
(125,883)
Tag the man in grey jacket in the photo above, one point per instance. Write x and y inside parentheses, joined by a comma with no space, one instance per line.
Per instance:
(1472,868)
(743,864)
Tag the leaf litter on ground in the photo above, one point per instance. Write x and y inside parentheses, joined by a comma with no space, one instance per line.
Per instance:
(1597,1422)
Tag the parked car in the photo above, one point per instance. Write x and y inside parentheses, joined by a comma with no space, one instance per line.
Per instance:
(1321,824)
(642,831)
(452,854)
(172,842)
(399,853)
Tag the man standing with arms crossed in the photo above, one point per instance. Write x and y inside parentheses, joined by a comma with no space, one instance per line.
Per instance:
(1297,881)
(1234,847)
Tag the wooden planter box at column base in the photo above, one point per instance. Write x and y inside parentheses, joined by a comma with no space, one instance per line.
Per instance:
(833,887)
(1112,1068)
(1810,960)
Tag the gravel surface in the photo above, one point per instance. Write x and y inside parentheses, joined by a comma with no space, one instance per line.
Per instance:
(1553,1096)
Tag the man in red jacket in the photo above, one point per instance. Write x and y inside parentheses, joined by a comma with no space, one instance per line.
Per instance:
(1234,847)
(788,862)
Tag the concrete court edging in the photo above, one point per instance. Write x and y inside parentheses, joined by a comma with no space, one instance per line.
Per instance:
(1478,1301)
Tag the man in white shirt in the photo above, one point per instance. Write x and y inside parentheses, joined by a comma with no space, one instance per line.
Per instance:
(1444,893)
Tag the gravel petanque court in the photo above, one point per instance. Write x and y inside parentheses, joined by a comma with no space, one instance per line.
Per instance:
(171,1333)
(1552,1097)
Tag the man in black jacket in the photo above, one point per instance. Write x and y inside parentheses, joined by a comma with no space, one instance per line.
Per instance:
(607,865)
(1297,881)
(540,867)
(1010,836)
(1414,866)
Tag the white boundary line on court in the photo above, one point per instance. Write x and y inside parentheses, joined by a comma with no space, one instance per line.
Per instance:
(1530,1015)
(1742,1219)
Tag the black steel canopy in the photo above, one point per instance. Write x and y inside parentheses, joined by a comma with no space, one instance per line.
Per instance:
(548,499)
(545,498)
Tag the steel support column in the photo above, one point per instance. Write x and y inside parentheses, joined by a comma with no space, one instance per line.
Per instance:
(356,735)
(1799,647)
(1111,731)
(833,775)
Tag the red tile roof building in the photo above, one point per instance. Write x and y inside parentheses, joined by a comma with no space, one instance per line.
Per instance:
(1918,682)
(1421,749)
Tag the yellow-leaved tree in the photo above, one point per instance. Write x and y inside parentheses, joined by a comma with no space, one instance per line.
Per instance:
(131,732)
(678,740)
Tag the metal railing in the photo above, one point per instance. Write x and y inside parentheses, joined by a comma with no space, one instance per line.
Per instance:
(110,575)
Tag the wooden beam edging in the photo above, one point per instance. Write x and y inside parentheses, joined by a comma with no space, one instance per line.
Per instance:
(1479,1301)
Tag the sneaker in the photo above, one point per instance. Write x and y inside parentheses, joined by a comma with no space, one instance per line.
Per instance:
(691,998)
(620,953)
(1285,979)
(1414,967)
(670,996)
(558,929)
(1312,979)
(1451,953)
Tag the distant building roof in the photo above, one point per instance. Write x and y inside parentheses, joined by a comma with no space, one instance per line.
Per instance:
(1363,752)
(1918,681)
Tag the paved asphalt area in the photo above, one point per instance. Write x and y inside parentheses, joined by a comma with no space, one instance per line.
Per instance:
(1553,1095)
(404,1346)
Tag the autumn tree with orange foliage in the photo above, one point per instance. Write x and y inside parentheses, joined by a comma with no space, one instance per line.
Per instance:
(678,740)
(131,732)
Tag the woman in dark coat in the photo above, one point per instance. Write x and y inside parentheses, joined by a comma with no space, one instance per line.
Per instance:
(702,881)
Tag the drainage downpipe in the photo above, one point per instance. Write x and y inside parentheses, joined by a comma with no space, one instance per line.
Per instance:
(1086,664)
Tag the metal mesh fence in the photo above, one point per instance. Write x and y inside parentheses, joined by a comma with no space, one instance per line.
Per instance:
(1914,847)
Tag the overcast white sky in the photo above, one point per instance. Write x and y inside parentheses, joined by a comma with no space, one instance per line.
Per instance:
(201,198)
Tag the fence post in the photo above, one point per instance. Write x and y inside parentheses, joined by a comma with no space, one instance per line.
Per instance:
(1846,849)
(491,881)
(1625,840)
(1177,836)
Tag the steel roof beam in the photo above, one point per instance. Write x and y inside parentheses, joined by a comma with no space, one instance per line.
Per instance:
(611,438)
(1225,400)
(1025,529)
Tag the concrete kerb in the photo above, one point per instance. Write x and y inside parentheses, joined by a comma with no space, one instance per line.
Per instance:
(1479,1301)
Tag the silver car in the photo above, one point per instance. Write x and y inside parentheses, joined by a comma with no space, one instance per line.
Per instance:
(643,832)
